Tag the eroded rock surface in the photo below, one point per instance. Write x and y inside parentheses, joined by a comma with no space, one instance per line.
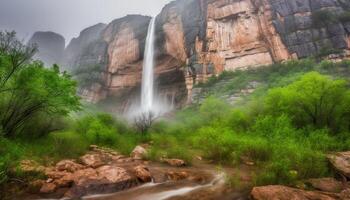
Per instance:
(196,39)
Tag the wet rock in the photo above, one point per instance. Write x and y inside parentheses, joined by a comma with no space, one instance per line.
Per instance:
(177,176)
(92,160)
(138,153)
(105,179)
(82,176)
(48,188)
(175,162)
(113,174)
(52,173)
(341,162)
(143,173)
(278,192)
(326,184)
(68,165)
(65,181)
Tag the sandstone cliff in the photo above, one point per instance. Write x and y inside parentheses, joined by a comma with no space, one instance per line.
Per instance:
(50,47)
(200,38)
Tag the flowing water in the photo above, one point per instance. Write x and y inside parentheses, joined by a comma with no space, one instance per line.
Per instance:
(147,91)
(166,190)
(151,102)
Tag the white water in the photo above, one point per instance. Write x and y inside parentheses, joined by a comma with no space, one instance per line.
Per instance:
(159,191)
(218,180)
(151,102)
(147,92)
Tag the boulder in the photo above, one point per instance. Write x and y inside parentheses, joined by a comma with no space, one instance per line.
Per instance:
(175,162)
(177,176)
(143,173)
(82,176)
(105,179)
(92,160)
(52,173)
(326,184)
(138,153)
(278,192)
(65,181)
(113,174)
(341,162)
(68,165)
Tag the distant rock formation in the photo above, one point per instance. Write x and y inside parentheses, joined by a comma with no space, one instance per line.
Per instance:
(50,47)
(200,38)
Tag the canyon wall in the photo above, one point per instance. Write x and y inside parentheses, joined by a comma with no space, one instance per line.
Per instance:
(50,47)
(197,39)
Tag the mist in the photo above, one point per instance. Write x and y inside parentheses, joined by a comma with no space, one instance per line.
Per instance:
(68,17)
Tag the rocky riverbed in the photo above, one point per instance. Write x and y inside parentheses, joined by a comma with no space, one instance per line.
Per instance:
(104,174)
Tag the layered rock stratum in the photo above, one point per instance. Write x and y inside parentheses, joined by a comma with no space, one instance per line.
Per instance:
(197,39)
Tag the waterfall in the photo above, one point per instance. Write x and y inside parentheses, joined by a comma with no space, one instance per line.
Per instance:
(147,91)
(152,105)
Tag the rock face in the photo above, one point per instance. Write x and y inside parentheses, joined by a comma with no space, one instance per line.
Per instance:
(200,38)
(50,47)
(286,193)
(341,163)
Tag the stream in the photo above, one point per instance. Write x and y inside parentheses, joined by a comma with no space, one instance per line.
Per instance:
(213,188)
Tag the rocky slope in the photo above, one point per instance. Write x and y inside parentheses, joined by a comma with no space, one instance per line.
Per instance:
(200,38)
(50,47)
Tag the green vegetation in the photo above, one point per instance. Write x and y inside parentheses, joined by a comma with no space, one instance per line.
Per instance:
(293,115)
(286,126)
(29,93)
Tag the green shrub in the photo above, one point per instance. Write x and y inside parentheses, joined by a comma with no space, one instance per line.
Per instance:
(314,100)
(214,109)
(9,157)
(169,146)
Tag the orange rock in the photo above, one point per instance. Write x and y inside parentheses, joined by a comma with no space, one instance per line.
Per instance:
(177,176)
(278,192)
(175,162)
(341,162)
(143,173)
(326,184)
(68,165)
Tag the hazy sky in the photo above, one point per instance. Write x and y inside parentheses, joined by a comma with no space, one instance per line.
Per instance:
(68,17)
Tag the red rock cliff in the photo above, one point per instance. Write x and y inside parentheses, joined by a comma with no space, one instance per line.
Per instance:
(200,38)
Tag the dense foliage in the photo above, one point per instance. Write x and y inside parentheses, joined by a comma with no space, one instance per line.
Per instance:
(286,126)
(32,97)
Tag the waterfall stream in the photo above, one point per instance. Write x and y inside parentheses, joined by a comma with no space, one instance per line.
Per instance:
(147,92)
(152,104)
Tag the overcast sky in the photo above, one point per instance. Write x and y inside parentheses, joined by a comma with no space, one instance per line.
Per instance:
(68,17)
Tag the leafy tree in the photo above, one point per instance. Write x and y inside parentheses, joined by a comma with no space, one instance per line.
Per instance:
(315,100)
(28,90)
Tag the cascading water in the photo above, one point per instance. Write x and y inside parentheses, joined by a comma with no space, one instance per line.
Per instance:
(151,103)
(147,92)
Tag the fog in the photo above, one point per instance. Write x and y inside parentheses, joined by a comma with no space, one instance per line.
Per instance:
(68,17)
